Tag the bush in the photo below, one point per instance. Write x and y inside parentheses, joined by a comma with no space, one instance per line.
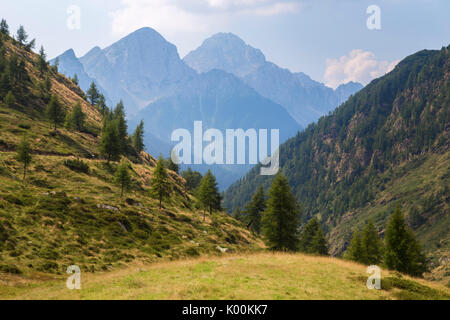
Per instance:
(9,269)
(77,165)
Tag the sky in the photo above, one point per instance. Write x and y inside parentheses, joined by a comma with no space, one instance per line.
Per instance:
(333,41)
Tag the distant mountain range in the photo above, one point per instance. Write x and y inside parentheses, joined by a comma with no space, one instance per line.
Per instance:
(224,83)
(306,100)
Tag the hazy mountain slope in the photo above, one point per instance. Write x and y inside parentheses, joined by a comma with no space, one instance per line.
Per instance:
(62,216)
(139,68)
(305,99)
(388,144)
(220,101)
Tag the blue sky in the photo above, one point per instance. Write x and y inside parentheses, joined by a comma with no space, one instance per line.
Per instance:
(329,40)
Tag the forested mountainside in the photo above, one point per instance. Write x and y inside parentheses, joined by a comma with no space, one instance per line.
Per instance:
(387,145)
(68,208)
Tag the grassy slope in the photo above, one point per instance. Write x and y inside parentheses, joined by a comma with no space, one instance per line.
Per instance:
(57,217)
(414,183)
(258,276)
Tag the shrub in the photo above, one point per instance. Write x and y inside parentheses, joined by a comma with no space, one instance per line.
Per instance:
(77,165)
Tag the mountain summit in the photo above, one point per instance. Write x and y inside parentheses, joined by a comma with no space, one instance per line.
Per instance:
(227,52)
(306,100)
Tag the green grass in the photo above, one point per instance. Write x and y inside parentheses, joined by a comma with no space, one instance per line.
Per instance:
(256,276)
(61,216)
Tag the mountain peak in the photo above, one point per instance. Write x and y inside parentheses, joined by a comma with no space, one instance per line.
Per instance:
(228,52)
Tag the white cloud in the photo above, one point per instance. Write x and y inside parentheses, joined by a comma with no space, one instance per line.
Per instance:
(171,16)
(359,66)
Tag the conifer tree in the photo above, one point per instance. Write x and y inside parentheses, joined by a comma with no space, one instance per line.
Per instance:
(93,94)
(109,146)
(75,119)
(280,221)
(122,128)
(319,243)
(138,138)
(208,194)
(55,112)
(255,209)
(42,61)
(160,183)
(122,176)
(4,28)
(22,36)
(402,250)
(372,244)
(312,239)
(355,251)
(24,155)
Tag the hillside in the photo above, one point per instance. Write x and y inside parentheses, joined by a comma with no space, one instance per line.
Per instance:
(265,276)
(63,214)
(388,144)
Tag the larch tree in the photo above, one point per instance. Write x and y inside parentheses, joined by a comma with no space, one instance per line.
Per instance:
(161,188)
(24,155)
(55,112)
(122,176)
(281,219)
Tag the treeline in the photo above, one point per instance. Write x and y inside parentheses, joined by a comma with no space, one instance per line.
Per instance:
(277,217)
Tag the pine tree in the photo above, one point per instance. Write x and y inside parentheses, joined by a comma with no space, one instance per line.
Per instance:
(4,28)
(55,112)
(160,182)
(372,244)
(319,243)
(208,194)
(24,155)
(22,36)
(122,176)
(312,239)
(93,94)
(280,221)
(42,61)
(109,146)
(403,252)
(255,209)
(122,128)
(76,118)
(355,251)
(138,138)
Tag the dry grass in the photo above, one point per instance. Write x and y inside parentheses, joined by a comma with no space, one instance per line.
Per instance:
(257,276)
